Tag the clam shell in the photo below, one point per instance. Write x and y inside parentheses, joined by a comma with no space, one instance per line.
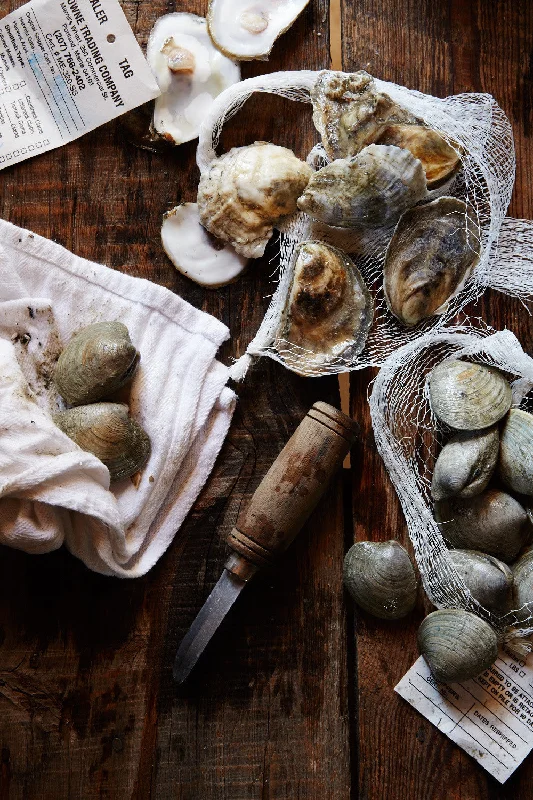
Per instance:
(516,451)
(373,188)
(97,361)
(439,159)
(456,644)
(430,256)
(523,581)
(468,396)
(465,465)
(489,580)
(329,309)
(381,578)
(107,431)
(493,522)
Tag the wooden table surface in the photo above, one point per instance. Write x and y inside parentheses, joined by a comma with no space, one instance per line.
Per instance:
(294,698)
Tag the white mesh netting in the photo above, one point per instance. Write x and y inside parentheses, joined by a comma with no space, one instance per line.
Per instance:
(409,438)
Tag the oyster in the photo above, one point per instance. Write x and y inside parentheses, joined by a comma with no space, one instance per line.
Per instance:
(97,361)
(247,190)
(194,252)
(373,188)
(439,159)
(190,72)
(516,452)
(107,431)
(247,29)
(430,257)
(465,465)
(350,113)
(329,308)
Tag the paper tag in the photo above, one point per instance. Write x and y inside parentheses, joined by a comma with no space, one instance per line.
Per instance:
(66,67)
(490,717)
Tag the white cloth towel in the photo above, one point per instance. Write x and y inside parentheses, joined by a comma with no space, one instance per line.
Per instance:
(51,492)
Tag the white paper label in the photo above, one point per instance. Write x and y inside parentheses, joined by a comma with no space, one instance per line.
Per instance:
(490,717)
(66,67)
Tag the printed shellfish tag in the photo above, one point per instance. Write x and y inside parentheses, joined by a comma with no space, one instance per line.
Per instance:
(66,67)
(490,717)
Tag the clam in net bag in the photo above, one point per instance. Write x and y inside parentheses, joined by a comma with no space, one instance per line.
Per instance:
(409,438)
(472,124)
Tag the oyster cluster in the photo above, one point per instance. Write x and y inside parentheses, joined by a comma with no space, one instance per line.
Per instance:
(99,360)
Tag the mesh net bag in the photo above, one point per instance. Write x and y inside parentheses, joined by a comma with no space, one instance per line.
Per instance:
(409,438)
(475,126)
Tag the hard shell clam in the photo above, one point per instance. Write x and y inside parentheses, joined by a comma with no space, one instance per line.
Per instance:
(97,361)
(523,581)
(329,308)
(381,578)
(349,112)
(373,188)
(439,159)
(493,522)
(431,255)
(489,580)
(107,431)
(247,190)
(456,644)
(468,396)
(515,466)
(465,465)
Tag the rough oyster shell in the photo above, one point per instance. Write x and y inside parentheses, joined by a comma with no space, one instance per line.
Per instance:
(107,431)
(247,29)
(247,190)
(350,113)
(431,255)
(439,159)
(97,361)
(373,188)
(465,465)
(329,308)
(190,72)
(515,466)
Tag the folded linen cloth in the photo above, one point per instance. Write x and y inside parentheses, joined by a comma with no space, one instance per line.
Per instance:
(52,492)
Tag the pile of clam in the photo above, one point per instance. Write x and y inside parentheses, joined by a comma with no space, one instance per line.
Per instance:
(482,487)
(98,361)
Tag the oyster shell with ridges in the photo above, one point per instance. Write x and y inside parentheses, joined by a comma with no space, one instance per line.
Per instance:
(439,159)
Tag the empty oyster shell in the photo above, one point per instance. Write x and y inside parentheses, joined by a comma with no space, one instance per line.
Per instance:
(456,644)
(247,190)
(350,113)
(106,430)
(439,159)
(523,582)
(193,251)
(489,580)
(468,397)
(329,308)
(431,255)
(381,578)
(247,29)
(493,522)
(97,361)
(465,465)
(190,72)
(373,188)
(516,451)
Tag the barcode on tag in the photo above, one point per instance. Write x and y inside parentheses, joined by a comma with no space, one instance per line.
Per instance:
(490,717)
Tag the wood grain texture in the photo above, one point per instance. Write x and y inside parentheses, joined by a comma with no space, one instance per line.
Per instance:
(440,48)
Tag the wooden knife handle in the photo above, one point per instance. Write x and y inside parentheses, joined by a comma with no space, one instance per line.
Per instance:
(291,489)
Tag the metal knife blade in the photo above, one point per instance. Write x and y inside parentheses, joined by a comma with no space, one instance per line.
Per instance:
(213,611)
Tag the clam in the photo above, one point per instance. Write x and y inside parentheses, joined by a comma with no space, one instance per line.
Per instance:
(107,431)
(465,465)
(381,578)
(430,257)
(247,190)
(97,361)
(439,159)
(468,396)
(515,466)
(456,644)
(373,188)
(493,522)
(523,581)
(329,309)
(349,112)
(489,580)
